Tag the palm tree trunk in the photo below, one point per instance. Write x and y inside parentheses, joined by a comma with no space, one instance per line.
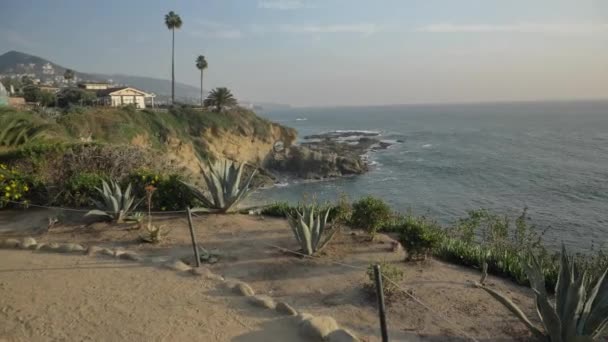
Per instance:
(173,69)
(201,88)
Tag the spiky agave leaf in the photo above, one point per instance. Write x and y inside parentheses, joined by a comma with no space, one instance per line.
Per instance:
(116,203)
(224,189)
(308,227)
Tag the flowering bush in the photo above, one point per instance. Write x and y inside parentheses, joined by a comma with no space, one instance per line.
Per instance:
(13,186)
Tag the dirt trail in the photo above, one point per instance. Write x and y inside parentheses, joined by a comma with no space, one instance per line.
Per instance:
(59,297)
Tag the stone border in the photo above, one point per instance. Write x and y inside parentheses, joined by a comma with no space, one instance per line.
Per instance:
(323,328)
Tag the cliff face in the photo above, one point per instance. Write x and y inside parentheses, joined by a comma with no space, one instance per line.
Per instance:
(254,149)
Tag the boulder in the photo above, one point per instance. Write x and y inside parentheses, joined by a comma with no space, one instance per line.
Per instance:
(263,301)
(27,243)
(341,335)
(70,248)
(178,265)
(318,327)
(132,256)
(49,247)
(106,252)
(10,243)
(286,309)
(243,289)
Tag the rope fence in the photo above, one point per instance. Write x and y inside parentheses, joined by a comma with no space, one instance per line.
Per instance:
(455,326)
(437,315)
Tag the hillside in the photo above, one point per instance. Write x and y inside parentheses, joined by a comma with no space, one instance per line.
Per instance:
(116,143)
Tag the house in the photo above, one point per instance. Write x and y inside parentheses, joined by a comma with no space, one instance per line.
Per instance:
(50,89)
(94,85)
(122,96)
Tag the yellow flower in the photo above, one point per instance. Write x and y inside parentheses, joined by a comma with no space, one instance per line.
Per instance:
(26,188)
(7,195)
(7,188)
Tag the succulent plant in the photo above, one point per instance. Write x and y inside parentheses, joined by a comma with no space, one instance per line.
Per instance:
(309,225)
(224,187)
(580,312)
(116,205)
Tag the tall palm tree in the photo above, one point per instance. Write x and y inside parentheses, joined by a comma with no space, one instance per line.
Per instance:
(201,64)
(220,98)
(173,21)
(68,75)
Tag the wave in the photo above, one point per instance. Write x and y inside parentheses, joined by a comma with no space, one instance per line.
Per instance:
(301,119)
(427,145)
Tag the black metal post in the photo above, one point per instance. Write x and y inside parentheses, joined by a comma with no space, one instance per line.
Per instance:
(197,258)
(381,307)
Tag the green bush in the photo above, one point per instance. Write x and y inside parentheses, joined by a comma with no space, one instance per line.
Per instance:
(370,214)
(79,190)
(419,236)
(170,194)
(278,209)
(388,271)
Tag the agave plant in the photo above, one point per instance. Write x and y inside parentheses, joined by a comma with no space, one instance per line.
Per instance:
(117,204)
(17,131)
(580,312)
(224,187)
(309,225)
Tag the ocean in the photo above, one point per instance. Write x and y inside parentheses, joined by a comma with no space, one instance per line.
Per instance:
(549,157)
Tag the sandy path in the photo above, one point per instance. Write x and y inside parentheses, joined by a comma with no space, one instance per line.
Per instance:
(58,297)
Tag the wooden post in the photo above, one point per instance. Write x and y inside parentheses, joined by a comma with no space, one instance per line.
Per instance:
(381,307)
(197,258)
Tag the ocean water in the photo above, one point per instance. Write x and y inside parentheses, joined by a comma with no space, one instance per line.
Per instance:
(549,157)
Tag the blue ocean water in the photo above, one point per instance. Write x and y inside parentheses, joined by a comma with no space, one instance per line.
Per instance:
(549,157)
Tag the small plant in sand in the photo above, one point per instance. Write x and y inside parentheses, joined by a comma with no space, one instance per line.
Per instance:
(370,214)
(310,227)
(116,204)
(152,233)
(388,271)
(224,187)
(580,312)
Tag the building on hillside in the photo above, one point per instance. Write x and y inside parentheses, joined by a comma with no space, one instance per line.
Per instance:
(123,96)
(94,85)
(3,95)
(49,89)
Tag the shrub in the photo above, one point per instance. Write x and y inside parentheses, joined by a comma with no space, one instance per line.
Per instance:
(278,209)
(14,186)
(370,213)
(170,194)
(79,190)
(419,236)
(388,271)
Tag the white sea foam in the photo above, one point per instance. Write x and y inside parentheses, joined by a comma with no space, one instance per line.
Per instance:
(427,145)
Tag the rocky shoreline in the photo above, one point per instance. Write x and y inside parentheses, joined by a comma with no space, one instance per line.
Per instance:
(327,155)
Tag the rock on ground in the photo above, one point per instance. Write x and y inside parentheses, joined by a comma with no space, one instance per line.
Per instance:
(286,309)
(342,335)
(28,242)
(319,327)
(10,243)
(263,301)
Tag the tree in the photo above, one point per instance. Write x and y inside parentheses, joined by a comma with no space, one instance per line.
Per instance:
(220,98)
(173,21)
(68,75)
(75,96)
(201,64)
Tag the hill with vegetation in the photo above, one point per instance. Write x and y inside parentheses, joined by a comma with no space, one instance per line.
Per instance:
(57,153)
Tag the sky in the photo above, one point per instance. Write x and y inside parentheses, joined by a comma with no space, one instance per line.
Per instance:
(332,52)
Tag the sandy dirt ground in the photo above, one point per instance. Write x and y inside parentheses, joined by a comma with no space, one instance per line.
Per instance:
(58,297)
(86,296)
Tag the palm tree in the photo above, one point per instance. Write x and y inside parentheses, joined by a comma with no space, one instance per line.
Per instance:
(68,75)
(219,98)
(173,21)
(201,64)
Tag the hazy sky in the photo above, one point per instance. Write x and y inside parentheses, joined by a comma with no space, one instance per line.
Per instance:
(333,52)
